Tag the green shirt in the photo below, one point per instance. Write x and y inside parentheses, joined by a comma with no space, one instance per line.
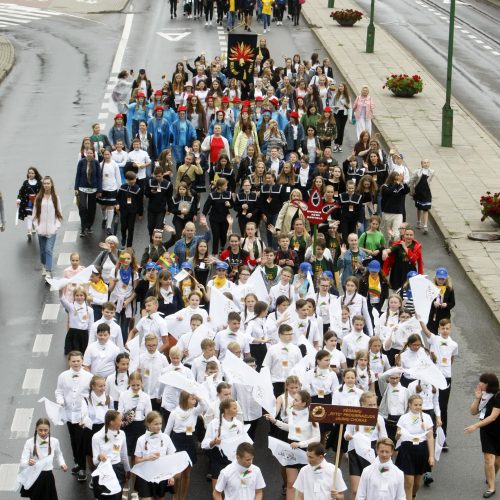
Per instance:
(372,240)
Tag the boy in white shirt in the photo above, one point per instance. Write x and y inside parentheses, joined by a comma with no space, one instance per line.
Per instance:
(307,328)
(184,341)
(316,480)
(283,287)
(281,358)
(151,365)
(355,341)
(231,334)
(198,367)
(72,386)
(108,317)
(240,480)
(99,357)
(152,322)
(382,480)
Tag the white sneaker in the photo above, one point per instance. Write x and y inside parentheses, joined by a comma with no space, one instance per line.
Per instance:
(48,276)
(418,225)
(44,271)
(425,230)
(210,23)
(265,30)
(206,23)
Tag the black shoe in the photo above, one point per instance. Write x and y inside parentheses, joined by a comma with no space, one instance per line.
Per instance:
(81,476)
(209,477)
(103,223)
(445,448)
(109,232)
(89,230)
(175,14)
(123,243)
(488,493)
(76,468)
(428,479)
(83,233)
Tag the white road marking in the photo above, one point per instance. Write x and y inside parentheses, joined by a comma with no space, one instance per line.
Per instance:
(73,216)
(464,31)
(64,259)
(8,476)
(30,9)
(21,423)
(32,381)
(13,18)
(70,236)
(50,312)
(487,47)
(105,105)
(120,52)
(173,37)
(107,95)
(102,116)
(472,36)
(496,53)
(103,126)
(42,344)
(478,41)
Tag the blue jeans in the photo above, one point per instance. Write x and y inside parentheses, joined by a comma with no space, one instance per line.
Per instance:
(267,20)
(231,17)
(46,244)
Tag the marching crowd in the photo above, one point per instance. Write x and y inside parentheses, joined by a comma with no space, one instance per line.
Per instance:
(235,277)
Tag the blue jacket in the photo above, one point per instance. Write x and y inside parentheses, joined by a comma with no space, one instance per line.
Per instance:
(289,136)
(180,246)
(178,149)
(344,264)
(134,114)
(160,130)
(81,180)
(119,134)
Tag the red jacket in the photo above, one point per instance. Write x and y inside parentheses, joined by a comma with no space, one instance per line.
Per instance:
(414,257)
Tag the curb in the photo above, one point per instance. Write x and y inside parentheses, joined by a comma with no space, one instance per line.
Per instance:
(7,57)
(439,225)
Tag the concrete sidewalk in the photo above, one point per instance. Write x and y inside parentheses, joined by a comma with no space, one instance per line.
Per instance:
(413,126)
(7,57)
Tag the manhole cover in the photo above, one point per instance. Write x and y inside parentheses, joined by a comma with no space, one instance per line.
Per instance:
(484,236)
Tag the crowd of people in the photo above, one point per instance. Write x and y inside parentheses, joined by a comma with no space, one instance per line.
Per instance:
(222,170)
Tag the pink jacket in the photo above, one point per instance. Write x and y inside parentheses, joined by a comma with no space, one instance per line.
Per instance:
(358,104)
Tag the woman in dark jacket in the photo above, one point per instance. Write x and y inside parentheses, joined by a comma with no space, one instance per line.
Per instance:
(26,198)
(443,304)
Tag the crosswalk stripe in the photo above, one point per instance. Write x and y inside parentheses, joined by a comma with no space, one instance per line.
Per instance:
(50,312)
(9,18)
(24,15)
(8,477)
(42,344)
(32,381)
(21,423)
(29,9)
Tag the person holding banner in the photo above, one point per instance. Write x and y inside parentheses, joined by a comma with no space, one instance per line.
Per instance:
(319,479)
(416,450)
(110,444)
(382,480)
(241,480)
(362,440)
(38,483)
(301,433)
(151,446)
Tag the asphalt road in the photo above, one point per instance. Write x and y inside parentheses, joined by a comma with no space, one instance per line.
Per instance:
(47,104)
(421,26)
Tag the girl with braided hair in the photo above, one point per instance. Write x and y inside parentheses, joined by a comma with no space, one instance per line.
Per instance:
(40,446)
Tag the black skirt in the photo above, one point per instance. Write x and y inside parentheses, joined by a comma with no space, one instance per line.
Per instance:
(327,400)
(357,464)
(413,459)
(183,442)
(133,432)
(98,490)
(333,438)
(217,461)
(146,489)
(44,488)
(108,198)
(490,442)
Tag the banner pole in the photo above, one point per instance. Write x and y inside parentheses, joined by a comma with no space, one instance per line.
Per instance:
(337,455)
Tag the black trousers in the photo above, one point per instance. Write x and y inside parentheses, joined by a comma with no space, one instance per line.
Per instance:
(340,120)
(347,226)
(219,234)
(87,203)
(173,7)
(127,223)
(76,340)
(296,13)
(155,221)
(220,10)
(209,11)
(76,440)
(444,397)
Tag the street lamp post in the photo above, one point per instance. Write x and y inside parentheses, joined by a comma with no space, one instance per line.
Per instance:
(370,32)
(447,118)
